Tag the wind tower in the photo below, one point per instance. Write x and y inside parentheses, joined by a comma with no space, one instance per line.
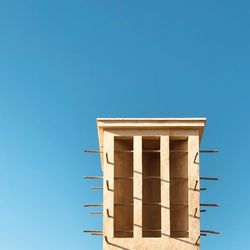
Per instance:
(151,183)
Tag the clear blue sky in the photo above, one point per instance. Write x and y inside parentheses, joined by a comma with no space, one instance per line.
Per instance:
(64,63)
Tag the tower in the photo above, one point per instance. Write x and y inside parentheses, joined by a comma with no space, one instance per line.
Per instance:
(151,183)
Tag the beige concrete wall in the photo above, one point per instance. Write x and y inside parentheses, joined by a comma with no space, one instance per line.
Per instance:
(164,241)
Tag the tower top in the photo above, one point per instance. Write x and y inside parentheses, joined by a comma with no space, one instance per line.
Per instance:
(149,124)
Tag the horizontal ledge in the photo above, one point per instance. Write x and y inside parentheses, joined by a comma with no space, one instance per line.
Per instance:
(96,212)
(171,178)
(178,205)
(146,177)
(131,151)
(122,231)
(152,177)
(144,119)
(123,178)
(150,204)
(144,204)
(179,178)
(149,230)
(143,230)
(124,204)
(151,151)
(179,231)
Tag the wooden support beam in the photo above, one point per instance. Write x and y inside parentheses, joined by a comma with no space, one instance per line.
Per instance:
(92,231)
(97,187)
(209,151)
(93,205)
(96,234)
(209,205)
(209,231)
(93,177)
(209,179)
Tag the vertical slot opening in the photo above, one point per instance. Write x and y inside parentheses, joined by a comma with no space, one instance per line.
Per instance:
(179,188)
(123,187)
(151,187)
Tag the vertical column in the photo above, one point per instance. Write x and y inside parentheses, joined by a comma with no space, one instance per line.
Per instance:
(108,187)
(165,185)
(194,194)
(137,187)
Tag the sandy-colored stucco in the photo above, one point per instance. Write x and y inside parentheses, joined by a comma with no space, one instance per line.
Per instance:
(191,129)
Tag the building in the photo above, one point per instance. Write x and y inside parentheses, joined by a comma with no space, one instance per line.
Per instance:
(151,183)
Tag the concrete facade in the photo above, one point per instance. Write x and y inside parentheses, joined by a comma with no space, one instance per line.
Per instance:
(151,196)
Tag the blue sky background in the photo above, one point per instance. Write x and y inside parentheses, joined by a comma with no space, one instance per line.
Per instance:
(64,63)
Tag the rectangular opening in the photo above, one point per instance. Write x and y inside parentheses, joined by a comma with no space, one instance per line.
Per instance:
(123,187)
(179,188)
(151,187)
